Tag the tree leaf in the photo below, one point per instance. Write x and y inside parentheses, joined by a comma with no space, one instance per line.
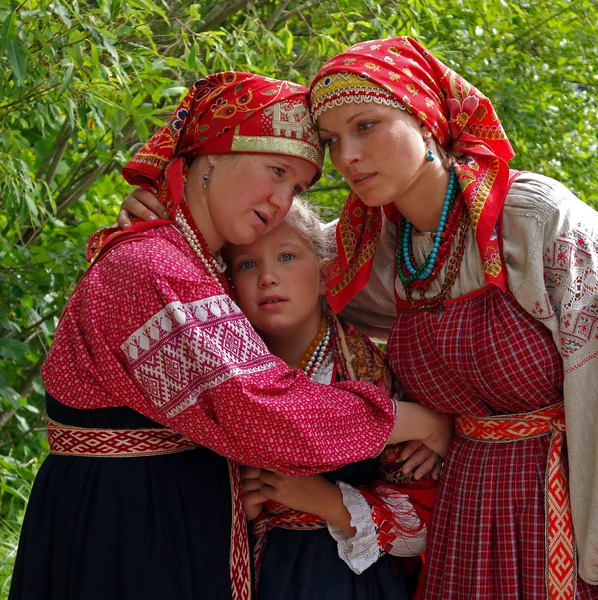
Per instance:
(8,29)
(67,79)
(12,349)
(16,60)
(62,12)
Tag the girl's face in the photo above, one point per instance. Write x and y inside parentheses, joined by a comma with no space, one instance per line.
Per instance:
(379,150)
(248,195)
(278,283)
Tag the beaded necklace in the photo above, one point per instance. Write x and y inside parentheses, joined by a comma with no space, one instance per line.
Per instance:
(317,351)
(451,272)
(214,266)
(455,220)
(449,222)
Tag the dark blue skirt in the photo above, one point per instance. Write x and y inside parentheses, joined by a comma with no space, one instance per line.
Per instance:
(153,527)
(305,565)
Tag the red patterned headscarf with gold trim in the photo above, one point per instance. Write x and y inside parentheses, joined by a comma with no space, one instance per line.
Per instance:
(402,73)
(221,114)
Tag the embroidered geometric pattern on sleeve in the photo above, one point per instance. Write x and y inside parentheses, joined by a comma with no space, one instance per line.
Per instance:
(571,276)
(186,349)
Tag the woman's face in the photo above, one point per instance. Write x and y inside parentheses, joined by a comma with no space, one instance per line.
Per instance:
(277,282)
(248,195)
(379,150)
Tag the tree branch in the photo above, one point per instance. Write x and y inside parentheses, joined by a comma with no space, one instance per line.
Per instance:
(85,183)
(220,13)
(276,16)
(49,316)
(522,37)
(55,154)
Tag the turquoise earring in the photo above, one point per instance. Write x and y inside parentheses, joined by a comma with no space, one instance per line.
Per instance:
(429,154)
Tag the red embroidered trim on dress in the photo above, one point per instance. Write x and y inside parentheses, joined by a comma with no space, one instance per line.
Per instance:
(239,559)
(86,441)
(278,515)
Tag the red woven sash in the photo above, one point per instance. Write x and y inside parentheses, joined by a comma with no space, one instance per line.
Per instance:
(240,558)
(84,441)
(561,559)
(127,443)
(277,515)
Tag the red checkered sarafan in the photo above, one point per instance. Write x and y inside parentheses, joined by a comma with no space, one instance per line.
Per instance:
(484,356)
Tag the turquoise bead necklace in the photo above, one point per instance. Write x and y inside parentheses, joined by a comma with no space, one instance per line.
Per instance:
(403,250)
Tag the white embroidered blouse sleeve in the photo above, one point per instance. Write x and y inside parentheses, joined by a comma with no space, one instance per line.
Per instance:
(551,251)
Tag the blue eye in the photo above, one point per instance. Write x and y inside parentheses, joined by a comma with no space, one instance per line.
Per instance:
(329,141)
(286,257)
(366,125)
(279,171)
(247,264)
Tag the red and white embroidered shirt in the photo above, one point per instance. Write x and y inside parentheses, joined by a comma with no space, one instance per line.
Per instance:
(148,328)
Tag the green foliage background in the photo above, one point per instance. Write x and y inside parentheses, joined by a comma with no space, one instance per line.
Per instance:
(81,83)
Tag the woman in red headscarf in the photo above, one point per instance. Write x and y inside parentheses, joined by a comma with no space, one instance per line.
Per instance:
(486,281)
(155,375)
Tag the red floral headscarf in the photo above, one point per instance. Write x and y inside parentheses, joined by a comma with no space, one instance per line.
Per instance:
(401,72)
(222,113)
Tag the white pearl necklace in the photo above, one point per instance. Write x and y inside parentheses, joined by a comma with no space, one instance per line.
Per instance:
(315,360)
(212,265)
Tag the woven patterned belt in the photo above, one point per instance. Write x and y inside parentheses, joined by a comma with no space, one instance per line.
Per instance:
(561,556)
(277,515)
(84,441)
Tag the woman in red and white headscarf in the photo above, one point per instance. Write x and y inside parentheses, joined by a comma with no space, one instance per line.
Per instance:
(155,375)
(485,280)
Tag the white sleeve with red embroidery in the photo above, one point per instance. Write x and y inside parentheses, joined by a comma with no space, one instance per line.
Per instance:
(374,536)
(551,251)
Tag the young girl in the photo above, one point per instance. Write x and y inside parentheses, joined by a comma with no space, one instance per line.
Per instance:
(329,535)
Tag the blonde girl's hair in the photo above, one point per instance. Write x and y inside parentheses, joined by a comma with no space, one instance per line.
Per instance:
(304,219)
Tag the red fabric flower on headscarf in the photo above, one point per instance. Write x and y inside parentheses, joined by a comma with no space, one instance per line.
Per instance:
(460,118)
(222,113)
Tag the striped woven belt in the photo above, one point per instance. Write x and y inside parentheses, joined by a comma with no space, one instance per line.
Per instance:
(277,515)
(84,441)
(561,558)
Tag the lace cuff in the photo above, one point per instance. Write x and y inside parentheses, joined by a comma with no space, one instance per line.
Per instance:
(363,549)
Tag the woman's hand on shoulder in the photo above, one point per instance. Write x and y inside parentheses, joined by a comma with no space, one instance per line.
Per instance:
(141,204)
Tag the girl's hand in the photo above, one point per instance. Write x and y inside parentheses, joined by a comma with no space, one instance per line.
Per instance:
(143,205)
(251,486)
(420,460)
(311,494)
